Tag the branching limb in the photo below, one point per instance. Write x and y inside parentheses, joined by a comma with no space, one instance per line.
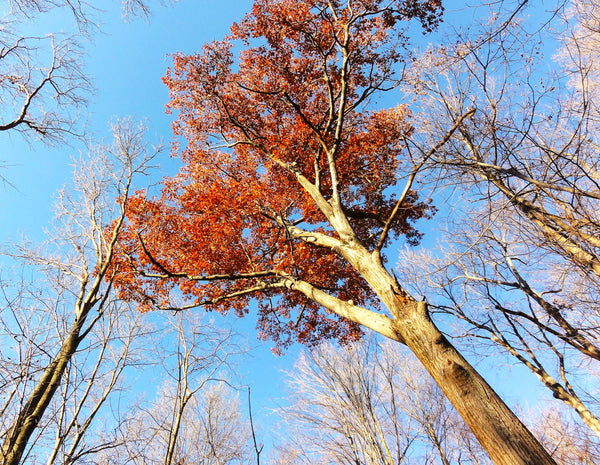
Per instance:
(367,318)
(413,174)
(166,274)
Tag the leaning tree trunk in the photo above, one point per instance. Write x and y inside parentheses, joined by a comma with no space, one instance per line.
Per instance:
(500,432)
(504,437)
(30,415)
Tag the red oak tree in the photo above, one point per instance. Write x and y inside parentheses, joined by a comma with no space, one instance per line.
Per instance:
(290,190)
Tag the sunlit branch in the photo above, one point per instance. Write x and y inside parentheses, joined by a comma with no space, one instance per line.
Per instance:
(309,187)
(536,182)
(311,237)
(341,113)
(370,319)
(572,335)
(551,225)
(413,175)
(562,392)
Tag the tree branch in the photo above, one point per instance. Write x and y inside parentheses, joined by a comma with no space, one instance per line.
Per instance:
(413,174)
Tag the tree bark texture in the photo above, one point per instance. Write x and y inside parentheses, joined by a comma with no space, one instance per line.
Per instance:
(505,438)
(30,415)
(500,432)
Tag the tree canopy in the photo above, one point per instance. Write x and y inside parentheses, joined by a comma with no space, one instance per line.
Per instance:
(310,139)
(273,139)
(291,186)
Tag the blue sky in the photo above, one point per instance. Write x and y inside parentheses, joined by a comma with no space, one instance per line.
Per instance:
(126,62)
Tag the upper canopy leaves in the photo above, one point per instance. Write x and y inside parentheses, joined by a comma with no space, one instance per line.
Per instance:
(282,165)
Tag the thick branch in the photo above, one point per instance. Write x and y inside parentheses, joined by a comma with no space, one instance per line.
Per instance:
(367,318)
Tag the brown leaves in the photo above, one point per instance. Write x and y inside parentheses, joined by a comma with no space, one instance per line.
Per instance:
(290,106)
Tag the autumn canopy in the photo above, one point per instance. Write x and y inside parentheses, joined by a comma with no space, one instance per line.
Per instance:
(292,185)
(268,135)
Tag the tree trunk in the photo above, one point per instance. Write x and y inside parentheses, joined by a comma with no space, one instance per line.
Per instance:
(31,413)
(500,432)
(504,437)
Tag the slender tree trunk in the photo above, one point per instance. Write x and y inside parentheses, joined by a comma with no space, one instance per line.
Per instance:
(174,432)
(31,413)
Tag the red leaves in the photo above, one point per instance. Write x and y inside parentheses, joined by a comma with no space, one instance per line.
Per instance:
(288,108)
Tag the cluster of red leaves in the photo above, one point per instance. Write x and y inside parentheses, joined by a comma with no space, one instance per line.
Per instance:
(250,124)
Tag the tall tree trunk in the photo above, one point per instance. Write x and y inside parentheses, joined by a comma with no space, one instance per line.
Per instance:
(504,437)
(31,413)
(500,432)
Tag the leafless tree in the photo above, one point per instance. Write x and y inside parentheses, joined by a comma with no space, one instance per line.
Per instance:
(26,337)
(34,323)
(521,263)
(367,406)
(43,87)
(568,441)
(79,258)
(82,11)
(82,419)
(196,417)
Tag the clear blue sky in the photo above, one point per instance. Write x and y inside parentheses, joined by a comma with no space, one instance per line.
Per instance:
(126,62)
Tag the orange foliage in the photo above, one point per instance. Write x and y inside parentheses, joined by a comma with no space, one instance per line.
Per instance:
(252,125)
